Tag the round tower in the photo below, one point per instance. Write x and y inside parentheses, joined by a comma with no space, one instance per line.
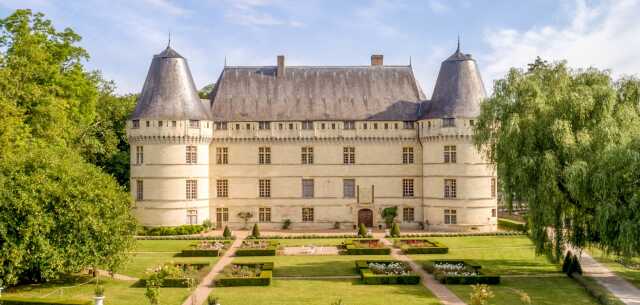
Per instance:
(460,186)
(169,134)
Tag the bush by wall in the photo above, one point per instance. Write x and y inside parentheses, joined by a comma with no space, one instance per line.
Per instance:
(446,278)
(9,300)
(170,231)
(510,225)
(268,251)
(264,279)
(436,248)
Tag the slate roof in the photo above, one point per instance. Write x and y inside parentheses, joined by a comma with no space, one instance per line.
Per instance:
(316,93)
(169,91)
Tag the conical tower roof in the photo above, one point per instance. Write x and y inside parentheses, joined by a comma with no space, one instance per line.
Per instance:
(169,91)
(458,91)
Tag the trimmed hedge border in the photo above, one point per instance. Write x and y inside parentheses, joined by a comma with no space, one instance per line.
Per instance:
(510,225)
(184,237)
(462,234)
(369,278)
(269,251)
(192,251)
(9,300)
(459,279)
(311,236)
(180,282)
(264,279)
(597,291)
(438,248)
(351,249)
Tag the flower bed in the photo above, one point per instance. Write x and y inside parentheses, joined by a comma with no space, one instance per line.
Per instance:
(420,246)
(460,272)
(257,247)
(206,248)
(365,247)
(246,274)
(386,272)
(179,274)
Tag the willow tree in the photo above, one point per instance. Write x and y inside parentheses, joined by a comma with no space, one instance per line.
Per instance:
(555,135)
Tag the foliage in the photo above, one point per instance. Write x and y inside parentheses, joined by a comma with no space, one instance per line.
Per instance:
(206,90)
(566,141)
(227,232)
(510,225)
(246,274)
(481,294)
(571,264)
(395,230)
(170,231)
(286,224)
(255,232)
(245,216)
(362,230)
(99,290)
(58,212)
(211,300)
(152,291)
(11,300)
(207,224)
(337,302)
(389,215)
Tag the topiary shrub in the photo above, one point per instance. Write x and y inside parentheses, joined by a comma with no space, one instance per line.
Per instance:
(395,230)
(255,232)
(227,232)
(362,230)
(286,224)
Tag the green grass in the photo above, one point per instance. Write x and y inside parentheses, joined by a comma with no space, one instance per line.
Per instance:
(310,241)
(162,245)
(312,265)
(631,275)
(324,292)
(140,263)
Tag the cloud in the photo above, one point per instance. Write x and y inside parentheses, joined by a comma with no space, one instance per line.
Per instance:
(438,6)
(256,13)
(604,36)
(167,7)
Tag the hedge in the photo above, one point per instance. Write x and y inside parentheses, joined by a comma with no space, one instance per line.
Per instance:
(601,294)
(184,237)
(459,279)
(437,248)
(369,278)
(264,279)
(168,231)
(180,282)
(352,249)
(268,251)
(510,225)
(463,234)
(9,300)
(310,236)
(193,251)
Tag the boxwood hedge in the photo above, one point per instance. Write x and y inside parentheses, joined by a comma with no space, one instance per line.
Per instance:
(437,248)
(480,278)
(369,278)
(268,251)
(10,300)
(264,279)
(354,249)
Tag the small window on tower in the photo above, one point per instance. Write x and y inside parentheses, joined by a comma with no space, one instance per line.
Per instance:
(135,123)
(194,124)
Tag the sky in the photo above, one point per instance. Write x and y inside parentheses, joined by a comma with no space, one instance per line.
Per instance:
(121,36)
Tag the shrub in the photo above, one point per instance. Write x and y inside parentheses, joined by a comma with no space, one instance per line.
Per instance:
(9,300)
(362,230)
(510,225)
(395,230)
(286,224)
(205,249)
(99,290)
(227,233)
(207,224)
(265,271)
(566,264)
(365,247)
(170,231)
(480,295)
(459,272)
(389,214)
(211,300)
(255,232)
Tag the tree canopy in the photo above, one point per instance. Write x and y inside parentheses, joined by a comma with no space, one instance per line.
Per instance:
(567,141)
(59,212)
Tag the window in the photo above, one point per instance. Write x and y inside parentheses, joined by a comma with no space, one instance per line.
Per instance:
(221,125)
(408,125)
(450,188)
(375,125)
(194,124)
(307,125)
(159,123)
(264,188)
(333,125)
(148,124)
(222,215)
(139,155)
(349,188)
(407,187)
(248,126)
(307,155)
(192,154)
(386,125)
(493,213)
(448,122)
(307,214)
(237,126)
(264,125)
(407,155)
(493,187)
(349,125)
(307,188)
(450,217)
(135,123)
(264,214)
(408,214)
(450,154)
(429,124)
(192,189)
(280,125)
(174,123)
(222,188)
(222,155)
(349,155)
(139,190)
(364,126)
(471,122)
(264,155)
(192,217)
(291,126)
(322,126)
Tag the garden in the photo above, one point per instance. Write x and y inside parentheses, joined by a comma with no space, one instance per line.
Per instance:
(365,247)
(419,246)
(206,248)
(245,274)
(386,272)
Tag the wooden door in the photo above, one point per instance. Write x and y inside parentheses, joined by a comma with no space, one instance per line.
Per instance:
(365,216)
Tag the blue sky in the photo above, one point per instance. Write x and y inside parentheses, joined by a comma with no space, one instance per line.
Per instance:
(122,35)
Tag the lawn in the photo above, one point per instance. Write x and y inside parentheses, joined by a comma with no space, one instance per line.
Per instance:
(324,292)
(631,275)
(335,265)
(140,263)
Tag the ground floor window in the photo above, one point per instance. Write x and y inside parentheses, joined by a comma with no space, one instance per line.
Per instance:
(264,214)
(407,214)
(493,213)
(307,214)
(192,217)
(222,215)
(450,217)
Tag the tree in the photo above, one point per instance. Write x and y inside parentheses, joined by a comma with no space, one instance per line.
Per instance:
(389,215)
(245,216)
(206,90)
(556,136)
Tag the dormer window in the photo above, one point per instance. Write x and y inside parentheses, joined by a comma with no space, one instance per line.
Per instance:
(148,124)
(307,125)
(349,125)
(135,123)
(194,124)
(448,122)
(221,125)
(159,123)
(174,123)
(408,125)
(264,125)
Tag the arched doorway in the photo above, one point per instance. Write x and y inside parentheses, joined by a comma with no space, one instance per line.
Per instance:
(365,216)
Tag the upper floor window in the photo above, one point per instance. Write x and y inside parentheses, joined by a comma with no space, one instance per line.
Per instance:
(135,123)
(407,187)
(450,189)
(192,189)
(221,125)
(148,124)
(307,125)
(264,155)
(307,188)
(448,122)
(407,155)
(159,123)
(450,217)
(222,188)
(349,155)
(375,125)
(264,125)
(408,125)
(408,214)
(192,154)
(450,154)
(307,155)
(222,155)
(264,188)
(194,124)
(139,155)
(139,190)
(349,125)
(349,188)
(364,126)
(386,125)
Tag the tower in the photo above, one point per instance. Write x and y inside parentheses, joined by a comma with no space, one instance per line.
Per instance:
(169,133)
(459,185)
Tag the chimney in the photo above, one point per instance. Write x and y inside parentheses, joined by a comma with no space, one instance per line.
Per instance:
(376,60)
(280,71)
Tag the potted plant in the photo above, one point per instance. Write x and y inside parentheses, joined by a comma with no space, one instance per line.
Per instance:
(98,298)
